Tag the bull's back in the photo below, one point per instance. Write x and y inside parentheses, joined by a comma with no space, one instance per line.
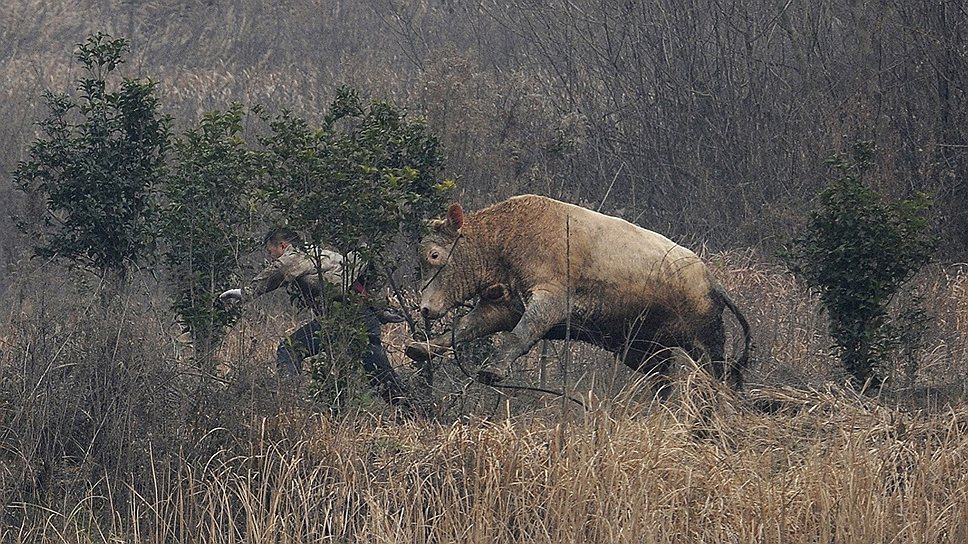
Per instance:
(620,267)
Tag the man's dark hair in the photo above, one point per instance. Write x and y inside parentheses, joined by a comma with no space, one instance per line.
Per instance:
(281,234)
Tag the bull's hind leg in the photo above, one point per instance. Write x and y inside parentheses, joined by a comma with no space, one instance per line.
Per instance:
(655,361)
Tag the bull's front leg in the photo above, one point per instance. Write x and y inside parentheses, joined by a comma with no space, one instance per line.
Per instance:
(546,308)
(495,312)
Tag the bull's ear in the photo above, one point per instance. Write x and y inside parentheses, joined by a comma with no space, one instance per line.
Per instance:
(455,217)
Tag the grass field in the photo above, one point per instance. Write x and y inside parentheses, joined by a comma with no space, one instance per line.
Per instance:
(828,467)
(794,458)
(711,124)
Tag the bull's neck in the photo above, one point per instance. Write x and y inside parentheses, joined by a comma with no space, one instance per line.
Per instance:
(483,253)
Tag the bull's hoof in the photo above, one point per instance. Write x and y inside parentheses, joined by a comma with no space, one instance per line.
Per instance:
(418,352)
(423,351)
(490,375)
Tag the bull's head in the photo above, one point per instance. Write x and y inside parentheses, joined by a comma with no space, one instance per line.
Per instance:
(444,277)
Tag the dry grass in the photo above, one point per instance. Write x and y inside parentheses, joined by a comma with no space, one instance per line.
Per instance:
(827,467)
(782,463)
(109,434)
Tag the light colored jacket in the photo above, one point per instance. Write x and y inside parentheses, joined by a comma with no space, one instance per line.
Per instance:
(296,267)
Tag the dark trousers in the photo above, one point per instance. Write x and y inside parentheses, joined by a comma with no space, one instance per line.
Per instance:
(305,342)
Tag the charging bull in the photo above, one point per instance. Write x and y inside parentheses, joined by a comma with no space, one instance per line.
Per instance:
(545,269)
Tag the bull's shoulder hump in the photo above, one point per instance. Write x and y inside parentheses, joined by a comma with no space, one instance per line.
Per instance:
(584,222)
(527,208)
(527,197)
(529,203)
(574,210)
(547,208)
(617,226)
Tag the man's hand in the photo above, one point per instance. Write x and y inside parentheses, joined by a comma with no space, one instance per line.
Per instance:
(232,295)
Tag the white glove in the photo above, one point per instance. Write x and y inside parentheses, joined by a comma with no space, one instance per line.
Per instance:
(231,295)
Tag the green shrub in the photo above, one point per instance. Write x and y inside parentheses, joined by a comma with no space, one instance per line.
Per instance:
(363,181)
(857,252)
(204,218)
(367,175)
(102,153)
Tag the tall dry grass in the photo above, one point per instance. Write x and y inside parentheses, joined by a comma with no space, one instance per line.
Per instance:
(828,467)
(108,433)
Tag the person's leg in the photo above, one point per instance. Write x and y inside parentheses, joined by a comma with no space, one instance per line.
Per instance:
(377,365)
(297,346)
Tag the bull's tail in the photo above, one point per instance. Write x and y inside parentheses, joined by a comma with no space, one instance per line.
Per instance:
(738,365)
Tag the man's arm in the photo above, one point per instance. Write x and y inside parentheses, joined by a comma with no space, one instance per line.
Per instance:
(274,275)
(270,279)
(296,265)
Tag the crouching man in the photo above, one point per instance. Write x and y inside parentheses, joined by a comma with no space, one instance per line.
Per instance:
(289,265)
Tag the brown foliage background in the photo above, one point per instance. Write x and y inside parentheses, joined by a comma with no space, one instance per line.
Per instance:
(708,120)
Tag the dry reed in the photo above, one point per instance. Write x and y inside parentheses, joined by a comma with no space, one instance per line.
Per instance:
(778,463)
(826,467)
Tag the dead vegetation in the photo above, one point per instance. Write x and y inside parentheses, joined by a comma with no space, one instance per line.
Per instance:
(826,467)
(106,435)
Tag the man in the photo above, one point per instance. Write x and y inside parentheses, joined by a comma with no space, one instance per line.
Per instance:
(288,265)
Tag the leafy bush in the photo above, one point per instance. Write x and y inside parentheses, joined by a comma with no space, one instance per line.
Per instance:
(102,153)
(206,208)
(362,181)
(858,250)
(364,177)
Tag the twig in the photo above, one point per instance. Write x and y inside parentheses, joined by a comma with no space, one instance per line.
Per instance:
(402,301)
(565,359)
(610,185)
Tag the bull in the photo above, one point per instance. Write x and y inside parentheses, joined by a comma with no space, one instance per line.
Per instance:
(546,269)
